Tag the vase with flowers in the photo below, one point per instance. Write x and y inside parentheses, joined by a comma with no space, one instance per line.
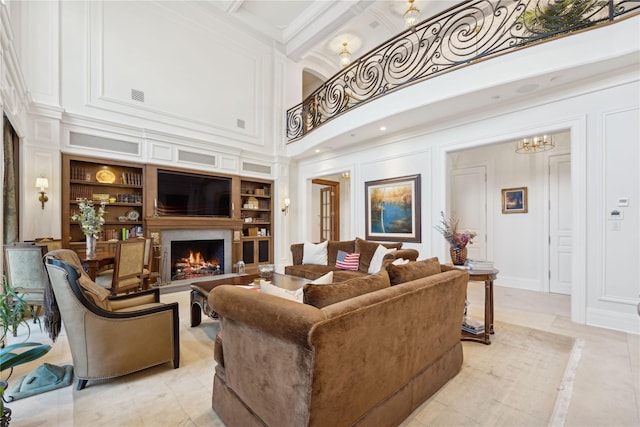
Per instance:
(91,221)
(458,240)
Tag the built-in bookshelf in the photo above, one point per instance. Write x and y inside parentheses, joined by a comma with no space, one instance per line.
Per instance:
(256,212)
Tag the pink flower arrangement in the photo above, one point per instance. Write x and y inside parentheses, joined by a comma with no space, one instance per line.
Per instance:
(449,229)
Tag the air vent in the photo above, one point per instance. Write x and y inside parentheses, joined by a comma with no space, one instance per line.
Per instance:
(202,159)
(254,167)
(240,123)
(137,95)
(100,143)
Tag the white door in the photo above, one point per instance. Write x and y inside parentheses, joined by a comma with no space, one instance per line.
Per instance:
(469,205)
(560,234)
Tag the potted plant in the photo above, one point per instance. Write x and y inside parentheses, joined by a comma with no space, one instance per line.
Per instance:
(559,15)
(457,239)
(13,312)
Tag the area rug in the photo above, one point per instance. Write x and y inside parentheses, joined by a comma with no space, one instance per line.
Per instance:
(512,382)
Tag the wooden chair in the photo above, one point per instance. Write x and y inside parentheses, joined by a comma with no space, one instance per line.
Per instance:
(25,272)
(128,267)
(49,242)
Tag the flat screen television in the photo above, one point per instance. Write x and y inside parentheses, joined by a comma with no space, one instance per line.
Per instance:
(182,194)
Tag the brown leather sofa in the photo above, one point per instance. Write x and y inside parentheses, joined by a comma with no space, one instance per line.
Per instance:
(365,248)
(108,336)
(370,359)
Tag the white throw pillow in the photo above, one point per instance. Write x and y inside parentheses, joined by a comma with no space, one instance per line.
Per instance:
(268,288)
(400,261)
(325,279)
(376,260)
(315,253)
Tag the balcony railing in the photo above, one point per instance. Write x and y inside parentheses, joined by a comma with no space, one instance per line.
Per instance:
(454,38)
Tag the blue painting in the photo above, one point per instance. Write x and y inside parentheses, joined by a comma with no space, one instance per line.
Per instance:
(393,208)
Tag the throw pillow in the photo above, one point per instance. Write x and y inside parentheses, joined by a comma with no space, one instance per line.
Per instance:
(270,289)
(376,261)
(345,261)
(325,279)
(366,249)
(323,295)
(315,253)
(400,261)
(413,270)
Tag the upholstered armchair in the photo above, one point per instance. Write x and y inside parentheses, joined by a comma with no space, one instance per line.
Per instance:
(109,336)
(25,273)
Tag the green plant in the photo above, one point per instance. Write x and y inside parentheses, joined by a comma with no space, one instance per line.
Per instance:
(90,221)
(13,312)
(558,15)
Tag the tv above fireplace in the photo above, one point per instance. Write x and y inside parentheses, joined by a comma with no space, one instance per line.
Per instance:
(184,194)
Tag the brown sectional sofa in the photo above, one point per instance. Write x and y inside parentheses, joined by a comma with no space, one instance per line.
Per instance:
(365,248)
(369,360)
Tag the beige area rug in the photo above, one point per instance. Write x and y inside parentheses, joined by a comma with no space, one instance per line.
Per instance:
(512,382)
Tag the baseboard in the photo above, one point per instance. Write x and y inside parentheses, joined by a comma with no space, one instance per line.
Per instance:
(624,322)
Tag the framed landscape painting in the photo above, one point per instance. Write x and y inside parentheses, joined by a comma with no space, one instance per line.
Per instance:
(393,209)
(514,200)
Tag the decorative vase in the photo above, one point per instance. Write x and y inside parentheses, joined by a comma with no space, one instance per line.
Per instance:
(91,246)
(458,255)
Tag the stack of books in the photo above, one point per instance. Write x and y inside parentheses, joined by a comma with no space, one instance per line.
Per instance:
(475,264)
(473,326)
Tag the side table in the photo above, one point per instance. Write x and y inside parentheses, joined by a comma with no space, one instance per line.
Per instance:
(486,276)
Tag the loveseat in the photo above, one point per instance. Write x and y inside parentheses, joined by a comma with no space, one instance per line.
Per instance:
(370,359)
(365,249)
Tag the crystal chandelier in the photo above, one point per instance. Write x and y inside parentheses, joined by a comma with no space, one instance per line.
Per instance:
(344,55)
(411,15)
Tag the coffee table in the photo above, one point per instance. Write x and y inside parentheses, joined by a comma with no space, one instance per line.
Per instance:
(199,297)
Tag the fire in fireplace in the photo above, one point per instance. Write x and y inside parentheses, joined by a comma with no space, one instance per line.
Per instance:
(196,258)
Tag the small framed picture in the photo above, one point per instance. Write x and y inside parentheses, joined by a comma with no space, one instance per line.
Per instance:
(514,200)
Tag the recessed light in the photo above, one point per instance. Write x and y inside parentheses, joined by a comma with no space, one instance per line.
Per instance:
(383,128)
(317,150)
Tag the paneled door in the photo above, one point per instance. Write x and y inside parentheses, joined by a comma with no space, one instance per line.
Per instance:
(560,231)
(469,205)
(329,209)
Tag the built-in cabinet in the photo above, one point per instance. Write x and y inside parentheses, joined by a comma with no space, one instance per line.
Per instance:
(256,212)
(130,192)
(120,186)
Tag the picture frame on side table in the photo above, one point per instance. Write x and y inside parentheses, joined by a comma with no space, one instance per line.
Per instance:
(514,200)
(392,208)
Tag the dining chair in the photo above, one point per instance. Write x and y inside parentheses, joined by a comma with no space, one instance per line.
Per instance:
(25,273)
(128,266)
(148,259)
(49,242)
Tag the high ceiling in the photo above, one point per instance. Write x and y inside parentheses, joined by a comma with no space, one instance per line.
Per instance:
(312,31)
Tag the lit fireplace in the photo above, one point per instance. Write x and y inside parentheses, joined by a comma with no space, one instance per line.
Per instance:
(196,258)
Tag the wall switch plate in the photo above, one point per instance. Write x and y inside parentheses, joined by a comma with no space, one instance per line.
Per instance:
(623,202)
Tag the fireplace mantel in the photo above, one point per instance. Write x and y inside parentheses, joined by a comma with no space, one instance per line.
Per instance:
(180,222)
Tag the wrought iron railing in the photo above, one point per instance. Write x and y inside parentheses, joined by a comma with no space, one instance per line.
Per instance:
(453,38)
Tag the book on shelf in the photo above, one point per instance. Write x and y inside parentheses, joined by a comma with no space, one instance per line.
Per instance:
(475,264)
(473,326)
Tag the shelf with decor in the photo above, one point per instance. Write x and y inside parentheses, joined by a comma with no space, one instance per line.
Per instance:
(256,213)
(119,185)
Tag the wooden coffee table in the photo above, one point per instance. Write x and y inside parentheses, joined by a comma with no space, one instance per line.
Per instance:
(200,291)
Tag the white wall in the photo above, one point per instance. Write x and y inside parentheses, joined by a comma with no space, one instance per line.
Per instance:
(602,121)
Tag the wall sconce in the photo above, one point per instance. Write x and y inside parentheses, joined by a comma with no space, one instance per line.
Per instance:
(42,183)
(285,208)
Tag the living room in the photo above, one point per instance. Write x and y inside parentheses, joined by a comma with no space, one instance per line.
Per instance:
(65,91)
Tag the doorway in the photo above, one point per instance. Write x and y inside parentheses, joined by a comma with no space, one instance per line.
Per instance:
(328,209)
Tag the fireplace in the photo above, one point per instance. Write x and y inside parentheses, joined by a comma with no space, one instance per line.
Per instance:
(192,259)
(192,254)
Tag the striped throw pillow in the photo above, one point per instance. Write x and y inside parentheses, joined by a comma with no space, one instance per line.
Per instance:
(345,261)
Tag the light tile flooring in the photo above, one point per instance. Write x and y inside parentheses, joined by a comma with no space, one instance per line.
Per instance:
(606,390)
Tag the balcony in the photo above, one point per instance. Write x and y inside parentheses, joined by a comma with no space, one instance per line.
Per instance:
(466,34)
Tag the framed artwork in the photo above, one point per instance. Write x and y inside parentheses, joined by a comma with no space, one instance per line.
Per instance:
(514,200)
(392,209)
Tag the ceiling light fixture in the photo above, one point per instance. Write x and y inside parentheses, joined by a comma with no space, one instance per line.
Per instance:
(344,55)
(536,144)
(411,15)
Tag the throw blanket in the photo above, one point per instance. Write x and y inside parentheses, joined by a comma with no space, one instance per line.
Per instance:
(52,319)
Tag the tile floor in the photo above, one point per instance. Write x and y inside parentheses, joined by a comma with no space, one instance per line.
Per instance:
(606,391)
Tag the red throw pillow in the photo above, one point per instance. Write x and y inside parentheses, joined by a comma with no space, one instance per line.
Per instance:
(345,261)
